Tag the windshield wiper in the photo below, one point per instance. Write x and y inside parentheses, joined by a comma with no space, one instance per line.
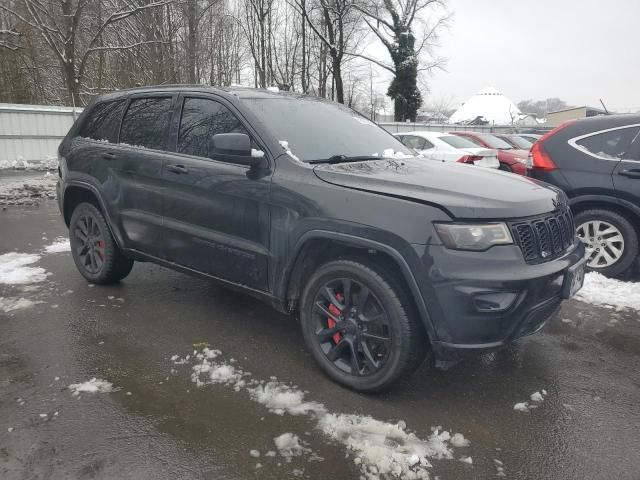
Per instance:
(346,158)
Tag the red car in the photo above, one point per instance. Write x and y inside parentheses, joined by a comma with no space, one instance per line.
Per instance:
(511,159)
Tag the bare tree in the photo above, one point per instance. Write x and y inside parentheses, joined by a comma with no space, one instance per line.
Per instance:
(61,23)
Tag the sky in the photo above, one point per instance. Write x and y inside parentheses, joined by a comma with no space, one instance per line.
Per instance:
(577,50)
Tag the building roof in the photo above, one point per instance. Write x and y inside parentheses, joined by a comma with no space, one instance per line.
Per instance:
(490,104)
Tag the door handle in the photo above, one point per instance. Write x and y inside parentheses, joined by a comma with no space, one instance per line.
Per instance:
(633,173)
(179,169)
(109,156)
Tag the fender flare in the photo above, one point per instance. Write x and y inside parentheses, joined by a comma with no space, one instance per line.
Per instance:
(96,193)
(606,199)
(360,242)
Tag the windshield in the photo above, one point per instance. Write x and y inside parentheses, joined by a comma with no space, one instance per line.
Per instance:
(494,142)
(522,143)
(458,142)
(314,129)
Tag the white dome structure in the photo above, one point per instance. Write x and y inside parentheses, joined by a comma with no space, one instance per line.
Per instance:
(489,104)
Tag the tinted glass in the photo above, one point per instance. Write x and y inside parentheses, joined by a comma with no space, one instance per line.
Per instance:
(613,144)
(520,142)
(494,142)
(316,129)
(146,123)
(414,142)
(201,120)
(458,142)
(103,121)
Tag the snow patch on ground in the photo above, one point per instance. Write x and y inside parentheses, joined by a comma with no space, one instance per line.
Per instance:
(15,269)
(289,445)
(600,290)
(380,449)
(536,399)
(60,245)
(9,304)
(94,385)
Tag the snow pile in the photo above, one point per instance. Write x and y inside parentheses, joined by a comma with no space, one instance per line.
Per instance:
(49,163)
(391,153)
(285,146)
(60,245)
(600,290)
(10,304)
(280,399)
(27,190)
(92,386)
(536,397)
(15,269)
(380,449)
(385,449)
(289,446)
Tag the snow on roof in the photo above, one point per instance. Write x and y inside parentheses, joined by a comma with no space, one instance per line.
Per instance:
(490,104)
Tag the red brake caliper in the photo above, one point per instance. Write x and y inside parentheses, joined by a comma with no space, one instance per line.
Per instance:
(335,311)
(101,246)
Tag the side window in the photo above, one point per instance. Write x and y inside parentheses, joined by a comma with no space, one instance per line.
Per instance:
(202,119)
(427,145)
(612,145)
(103,121)
(417,143)
(146,123)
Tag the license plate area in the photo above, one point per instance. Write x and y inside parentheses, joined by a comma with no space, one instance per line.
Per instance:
(574,279)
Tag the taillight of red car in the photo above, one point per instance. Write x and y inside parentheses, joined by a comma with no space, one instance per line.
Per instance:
(469,158)
(540,159)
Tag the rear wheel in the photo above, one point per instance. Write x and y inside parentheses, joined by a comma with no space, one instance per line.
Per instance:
(610,240)
(95,252)
(360,326)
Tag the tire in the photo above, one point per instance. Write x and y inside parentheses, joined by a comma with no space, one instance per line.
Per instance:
(628,246)
(104,263)
(386,301)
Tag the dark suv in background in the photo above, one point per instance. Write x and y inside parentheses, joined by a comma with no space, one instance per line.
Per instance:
(311,207)
(596,161)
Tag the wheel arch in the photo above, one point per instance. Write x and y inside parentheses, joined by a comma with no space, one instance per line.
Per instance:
(76,193)
(315,247)
(619,206)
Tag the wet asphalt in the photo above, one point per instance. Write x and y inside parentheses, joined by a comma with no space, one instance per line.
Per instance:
(158,425)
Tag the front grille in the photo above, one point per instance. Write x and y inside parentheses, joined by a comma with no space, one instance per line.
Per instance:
(545,237)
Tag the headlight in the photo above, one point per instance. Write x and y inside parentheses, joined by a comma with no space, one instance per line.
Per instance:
(471,236)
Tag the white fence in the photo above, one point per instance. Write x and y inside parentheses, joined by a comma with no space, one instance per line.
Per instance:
(31,133)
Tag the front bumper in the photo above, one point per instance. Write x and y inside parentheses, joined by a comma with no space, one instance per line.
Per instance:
(484,300)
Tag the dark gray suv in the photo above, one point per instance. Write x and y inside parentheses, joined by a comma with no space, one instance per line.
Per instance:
(316,210)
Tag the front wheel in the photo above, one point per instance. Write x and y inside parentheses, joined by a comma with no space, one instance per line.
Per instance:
(610,239)
(360,325)
(95,252)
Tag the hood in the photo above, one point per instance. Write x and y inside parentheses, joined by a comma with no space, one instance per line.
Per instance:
(464,191)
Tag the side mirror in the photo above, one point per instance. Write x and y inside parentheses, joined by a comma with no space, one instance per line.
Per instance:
(233,148)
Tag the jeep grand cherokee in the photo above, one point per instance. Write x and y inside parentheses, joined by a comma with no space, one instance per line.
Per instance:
(313,208)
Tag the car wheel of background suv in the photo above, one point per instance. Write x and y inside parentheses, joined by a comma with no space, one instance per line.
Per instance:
(94,250)
(610,239)
(360,325)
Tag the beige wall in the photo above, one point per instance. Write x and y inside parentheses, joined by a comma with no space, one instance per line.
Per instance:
(556,118)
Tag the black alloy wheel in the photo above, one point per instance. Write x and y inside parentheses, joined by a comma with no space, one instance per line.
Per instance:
(352,327)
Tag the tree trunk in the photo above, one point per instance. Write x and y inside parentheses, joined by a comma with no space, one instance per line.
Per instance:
(337,77)
(192,36)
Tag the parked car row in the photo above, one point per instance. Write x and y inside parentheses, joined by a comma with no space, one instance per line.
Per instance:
(595,161)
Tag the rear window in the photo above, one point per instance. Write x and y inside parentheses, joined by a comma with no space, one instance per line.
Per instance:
(146,123)
(103,121)
(521,142)
(610,145)
(494,142)
(458,142)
